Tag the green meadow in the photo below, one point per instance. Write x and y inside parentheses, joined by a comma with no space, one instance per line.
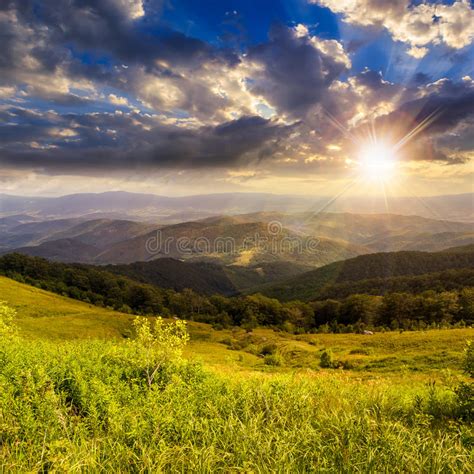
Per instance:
(81,390)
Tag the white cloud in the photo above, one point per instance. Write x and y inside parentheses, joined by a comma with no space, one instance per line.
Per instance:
(117,100)
(417,52)
(7,92)
(419,26)
(133,8)
(332,48)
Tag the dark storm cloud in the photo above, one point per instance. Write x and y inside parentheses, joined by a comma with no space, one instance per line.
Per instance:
(95,40)
(454,102)
(296,74)
(106,26)
(50,50)
(85,143)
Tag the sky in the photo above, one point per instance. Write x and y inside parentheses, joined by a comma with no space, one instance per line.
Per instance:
(179,97)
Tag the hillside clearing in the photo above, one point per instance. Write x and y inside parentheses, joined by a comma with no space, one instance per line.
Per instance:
(422,356)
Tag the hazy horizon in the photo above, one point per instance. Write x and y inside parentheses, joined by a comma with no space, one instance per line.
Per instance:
(295,195)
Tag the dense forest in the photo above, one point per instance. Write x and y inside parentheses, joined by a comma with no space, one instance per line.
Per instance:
(380,273)
(355,312)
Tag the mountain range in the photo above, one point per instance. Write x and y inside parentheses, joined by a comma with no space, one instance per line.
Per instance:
(165,209)
(304,239)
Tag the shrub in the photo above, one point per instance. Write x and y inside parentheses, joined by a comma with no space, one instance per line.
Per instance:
(327,360)
(227,341)
(465,401)
(275,359)
(252,349)
(469,359)
(268,349)
(7,326)
(348,365)
(465,391)
(156,345)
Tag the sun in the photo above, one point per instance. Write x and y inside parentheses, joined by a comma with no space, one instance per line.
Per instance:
(377,161)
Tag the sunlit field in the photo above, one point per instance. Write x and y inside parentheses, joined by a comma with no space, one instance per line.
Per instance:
(75,396)
(423,355)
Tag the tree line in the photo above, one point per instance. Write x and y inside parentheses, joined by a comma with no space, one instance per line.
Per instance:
(353,313)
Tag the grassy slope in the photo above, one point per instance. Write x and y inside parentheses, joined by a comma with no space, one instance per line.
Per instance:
(44,314)
(423,355)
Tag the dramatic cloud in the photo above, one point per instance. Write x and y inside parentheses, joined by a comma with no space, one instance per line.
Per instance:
(295,70)
(84,143)
(89,85)
(418,25)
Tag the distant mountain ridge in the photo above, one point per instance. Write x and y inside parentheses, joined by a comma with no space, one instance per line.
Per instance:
(245,240)
(98,233)
(377,232)
(223,240)
(150,206)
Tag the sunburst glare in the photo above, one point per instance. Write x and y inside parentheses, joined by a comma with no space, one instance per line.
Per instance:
(377,161)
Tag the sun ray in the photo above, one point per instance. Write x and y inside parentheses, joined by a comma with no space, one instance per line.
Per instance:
(336,123)
(346,188)
(426,122)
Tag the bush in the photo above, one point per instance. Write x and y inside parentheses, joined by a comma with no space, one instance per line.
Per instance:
(327,360)
(469,359)
(465,391)
(7,326)
(268,349)
(275,359)
(156,345)
(465,401)
(227,341)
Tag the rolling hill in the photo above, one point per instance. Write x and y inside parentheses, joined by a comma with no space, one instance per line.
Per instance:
(206,277)
(229,242)
(270,255)
(376,232)
(33,233)
(45,314)
(448,301)
(378,272)
(62,250)
(102,233)
(96,232)
(249,239)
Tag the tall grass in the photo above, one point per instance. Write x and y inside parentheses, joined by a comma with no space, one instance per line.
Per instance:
(90,406)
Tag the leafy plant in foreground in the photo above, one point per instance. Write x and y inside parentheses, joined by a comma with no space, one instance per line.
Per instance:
(465,391)
(156,345)
(7,315)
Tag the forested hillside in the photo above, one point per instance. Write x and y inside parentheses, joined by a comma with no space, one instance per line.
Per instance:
(433,308)
(379,273)
(207,277)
